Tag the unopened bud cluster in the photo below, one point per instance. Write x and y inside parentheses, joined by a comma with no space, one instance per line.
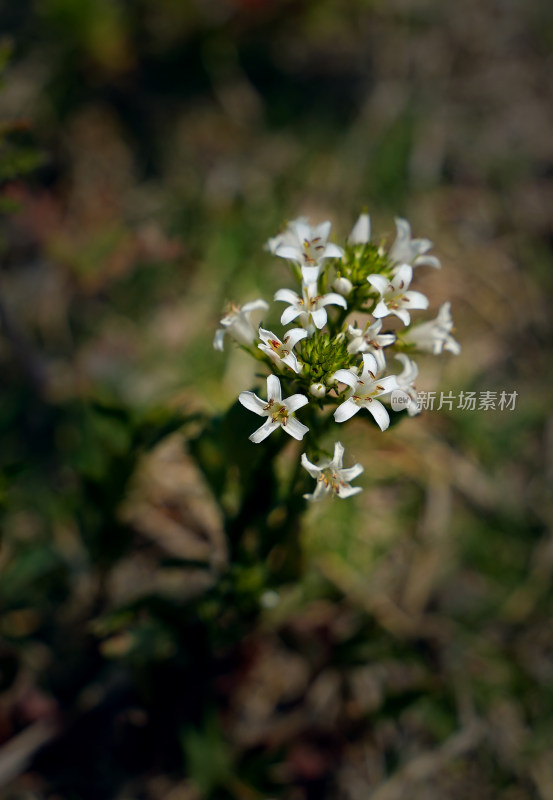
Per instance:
(323,356)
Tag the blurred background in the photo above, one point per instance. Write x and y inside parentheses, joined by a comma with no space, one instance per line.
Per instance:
(148,149)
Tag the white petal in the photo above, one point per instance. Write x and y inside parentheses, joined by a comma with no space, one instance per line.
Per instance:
(380,283)
(402,314)
(320,491)
(348,491)
(311,289)
(452,345)
(386,339)
(379,413)
(380,360)
(428,261)
(290,252)
(415,300)
(421,246)
(313,469)
(302,229)
(289,314)
(346,376)
(293,336)
(295,428)
(253,403)
(242,330)
(310,274)
(255,305)
(354,331)
(219,339)
(356,345)
(403,277)
(333,299)
(413,408)
(271,353)
(361,232)
(291,361)
(337,458)
(387,384)
(333,251)
(273,243)
(265,430)
(295,401)
(369,364)
(322,230)
(403,228)
(444,315)
(265,336)
(346,411)
(410,369)
(287,296)
(381,310)
(401,247)
(319,317)
(374,328)
(351,472)
(274,392)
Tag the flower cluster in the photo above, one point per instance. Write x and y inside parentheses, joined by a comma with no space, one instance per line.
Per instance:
(328,359)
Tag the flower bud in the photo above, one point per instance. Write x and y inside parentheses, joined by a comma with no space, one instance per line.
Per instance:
(343,286)
(317,389)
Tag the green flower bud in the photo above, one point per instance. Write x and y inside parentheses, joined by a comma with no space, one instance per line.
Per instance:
(360,261)
(322,355)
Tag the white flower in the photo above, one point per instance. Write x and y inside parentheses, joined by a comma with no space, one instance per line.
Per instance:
(310,308)
(361,231)
(394,297)
(277,411)
(411,251)
(281,351)
(364,390)
(370,340)
(238,324)
(306,245)
(331,476)
(406,381)
(435,336)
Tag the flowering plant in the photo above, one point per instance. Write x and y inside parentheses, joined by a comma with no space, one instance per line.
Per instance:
(325,361)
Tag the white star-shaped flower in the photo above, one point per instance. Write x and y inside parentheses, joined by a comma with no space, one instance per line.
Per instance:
(395,297)
(411,251)
(238,324)
(435,336)
(370,340)
(331,475)
(306,246)
(278,411)
(364,389)
(281,351)
(310,308)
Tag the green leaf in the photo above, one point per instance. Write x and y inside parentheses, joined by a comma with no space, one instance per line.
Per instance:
(207,755)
